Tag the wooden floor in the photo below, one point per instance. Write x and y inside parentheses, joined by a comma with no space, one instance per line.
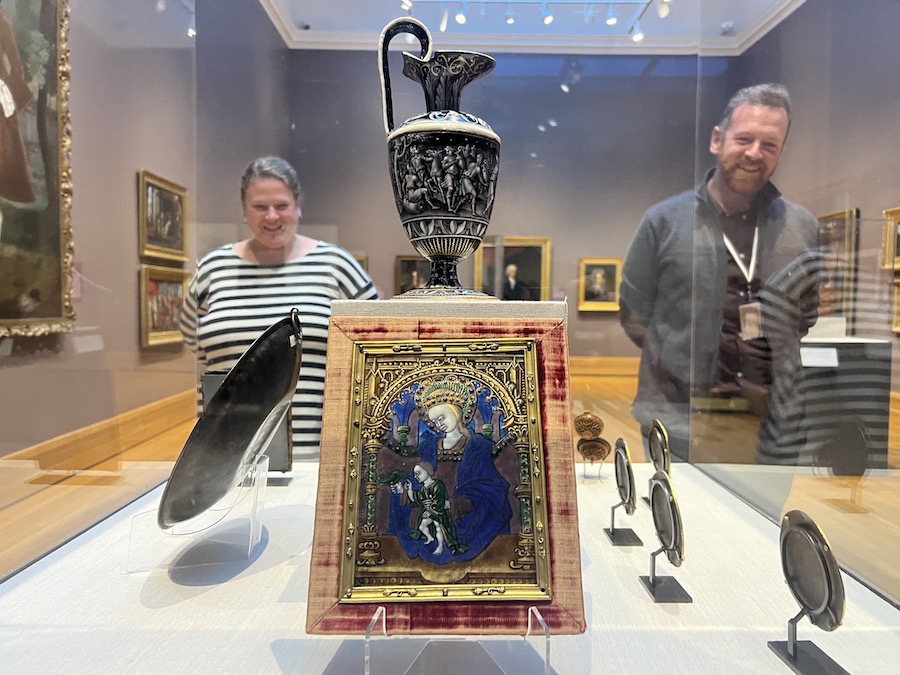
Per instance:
(44,503)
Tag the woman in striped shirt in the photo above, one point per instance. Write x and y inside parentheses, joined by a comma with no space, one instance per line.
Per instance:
(241,289)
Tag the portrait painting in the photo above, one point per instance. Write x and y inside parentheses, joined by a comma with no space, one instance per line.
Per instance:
(598,284)
(36,249)
(890,247)
(410,271)
(839,239)
(162,217)
(517,269)
(162,292)
(445,475)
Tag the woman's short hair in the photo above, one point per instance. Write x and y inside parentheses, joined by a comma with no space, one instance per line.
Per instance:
(271,167)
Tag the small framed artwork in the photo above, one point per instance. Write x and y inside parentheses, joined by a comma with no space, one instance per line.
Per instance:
(895,320)
(162,217)
(410,271)
(598,284)
(890,251)
(839,236)
(363,260)
(163,290)
(524,268)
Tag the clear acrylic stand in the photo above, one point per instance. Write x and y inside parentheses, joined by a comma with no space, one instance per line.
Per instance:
(450,655)
(228,532)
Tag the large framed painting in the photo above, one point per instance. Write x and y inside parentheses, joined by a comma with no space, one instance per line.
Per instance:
(443,494)
(410,271)
(524,269)
(839,238)
(890,247)
(36,249)
(163,290)
(598,284)
(162,217)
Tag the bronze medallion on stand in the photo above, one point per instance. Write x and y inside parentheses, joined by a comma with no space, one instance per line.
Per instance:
(591,446)
(625,485)
(670,532)
(814,577)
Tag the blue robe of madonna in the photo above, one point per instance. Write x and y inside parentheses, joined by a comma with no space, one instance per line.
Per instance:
(478,481)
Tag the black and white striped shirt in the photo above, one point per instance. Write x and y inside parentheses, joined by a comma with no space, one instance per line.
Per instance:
(231,302)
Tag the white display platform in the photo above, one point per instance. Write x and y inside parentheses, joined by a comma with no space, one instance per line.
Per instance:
(79,611)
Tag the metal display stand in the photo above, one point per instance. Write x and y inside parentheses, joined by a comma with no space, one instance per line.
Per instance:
(228,532)
(621,536)
(804,657)
(664,589)
(455,655)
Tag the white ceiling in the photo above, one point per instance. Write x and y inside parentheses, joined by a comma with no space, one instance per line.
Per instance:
(691,27)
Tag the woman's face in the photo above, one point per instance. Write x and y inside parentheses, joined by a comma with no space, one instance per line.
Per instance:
(420,473)
(443,417)
(271,212)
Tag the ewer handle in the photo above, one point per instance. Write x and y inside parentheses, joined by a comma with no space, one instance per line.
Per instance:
(405,24)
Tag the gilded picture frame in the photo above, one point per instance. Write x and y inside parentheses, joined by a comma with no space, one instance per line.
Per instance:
(36,246)
(531,258)
(598,284)
(410,271)
(895,315)
(890,246)
(162,217)
(445,474)
(363,260)
(162,292)
(839,238)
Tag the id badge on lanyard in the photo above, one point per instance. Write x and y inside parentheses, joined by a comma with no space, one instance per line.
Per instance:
(750,313)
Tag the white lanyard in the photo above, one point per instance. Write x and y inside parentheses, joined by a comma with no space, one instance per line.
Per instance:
(750,272)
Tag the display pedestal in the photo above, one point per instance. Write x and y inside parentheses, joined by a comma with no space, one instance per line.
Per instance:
(620,536)
(664,589)
(454,655)
(804,657)
(227,533)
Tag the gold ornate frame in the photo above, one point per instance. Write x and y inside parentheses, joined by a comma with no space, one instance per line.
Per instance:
(494,387)
(589,300)
(36,268)
(162,219)
(890,251)
(162,293)
(530,254)
(839,236)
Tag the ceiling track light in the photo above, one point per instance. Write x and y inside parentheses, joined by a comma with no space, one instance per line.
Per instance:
(548,15)
(636,33)
(461,14)
(406,5)
(510,15)
(611,18)
(662,9)
(590,13)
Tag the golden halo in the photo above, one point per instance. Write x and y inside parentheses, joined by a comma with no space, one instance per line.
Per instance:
(451,389)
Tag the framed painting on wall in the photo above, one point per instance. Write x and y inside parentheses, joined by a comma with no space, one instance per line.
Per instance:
(410,271)
(525,268)
(895,320)
(363,260)
(890,250)
(839,237)
(162,293)
(598,284)
(162,217)
(36,249)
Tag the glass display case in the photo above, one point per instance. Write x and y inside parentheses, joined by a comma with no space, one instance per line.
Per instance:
(594,132)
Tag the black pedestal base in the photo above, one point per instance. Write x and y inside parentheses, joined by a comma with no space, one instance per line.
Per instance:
(810,659)
(666,590)
(623,537)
